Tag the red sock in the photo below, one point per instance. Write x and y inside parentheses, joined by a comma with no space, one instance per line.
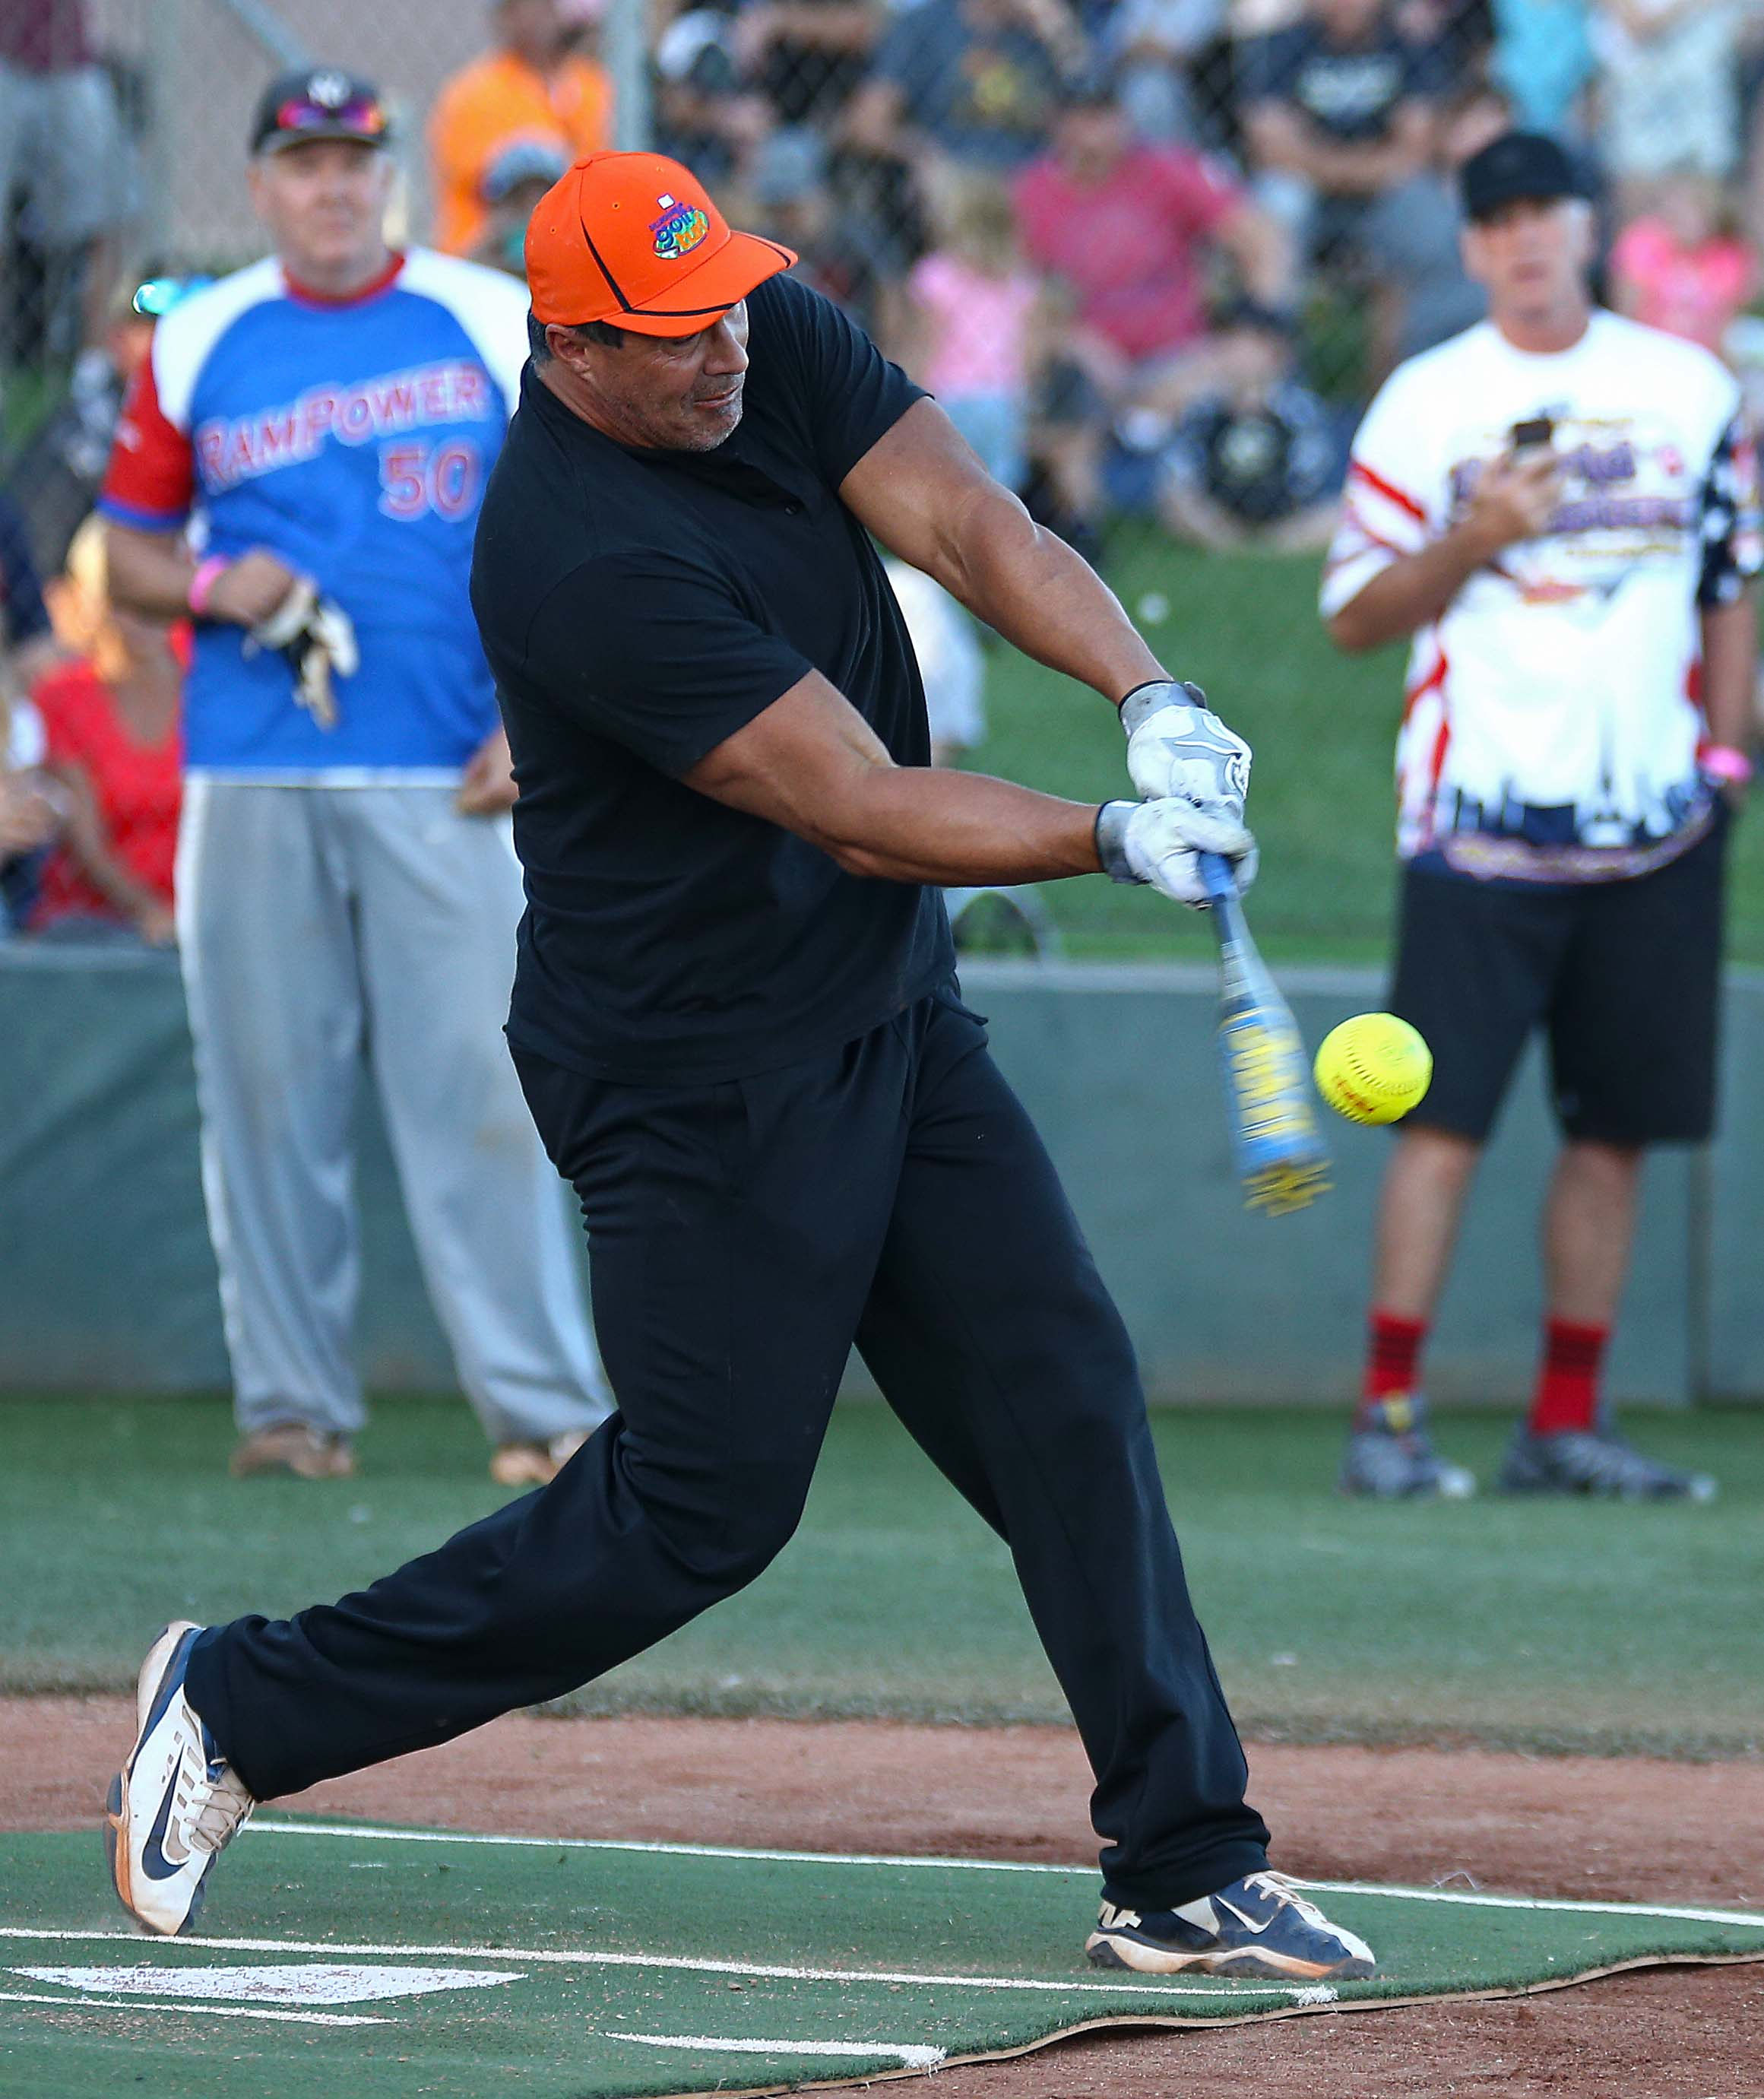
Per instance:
(1392,1354)
(1567,1378)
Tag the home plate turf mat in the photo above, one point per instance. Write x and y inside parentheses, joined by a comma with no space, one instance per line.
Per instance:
(380,1963)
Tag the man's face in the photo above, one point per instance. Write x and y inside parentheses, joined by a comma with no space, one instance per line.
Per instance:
(324,202)
(1091,138)
(1532,255)
(533,28)
(675,394)
(1347,21)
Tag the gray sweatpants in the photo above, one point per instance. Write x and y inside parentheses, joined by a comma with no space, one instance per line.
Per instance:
(313,921)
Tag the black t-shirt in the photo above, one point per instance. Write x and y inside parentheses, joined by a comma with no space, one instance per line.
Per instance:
(638,608)
(1350,92)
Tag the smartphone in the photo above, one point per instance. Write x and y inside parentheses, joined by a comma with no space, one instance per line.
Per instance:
(1536,433)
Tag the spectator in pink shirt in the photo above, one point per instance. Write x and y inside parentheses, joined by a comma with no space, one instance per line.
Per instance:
(1679,267)
(1129,230)
(970,321)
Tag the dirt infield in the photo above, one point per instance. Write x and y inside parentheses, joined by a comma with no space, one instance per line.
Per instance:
(1619,1829)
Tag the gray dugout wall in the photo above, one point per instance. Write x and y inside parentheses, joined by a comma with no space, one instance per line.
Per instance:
(106,1281)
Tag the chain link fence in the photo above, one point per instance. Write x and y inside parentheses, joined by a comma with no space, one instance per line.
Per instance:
(1154,255)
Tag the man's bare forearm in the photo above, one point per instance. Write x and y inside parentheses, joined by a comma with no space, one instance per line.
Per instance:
(1729,671)
(811,765)
(1411,592)
(1263,255)
(851,27)
(88,843)
(149,572)
(1029,586)
(919,824)
(1357,170)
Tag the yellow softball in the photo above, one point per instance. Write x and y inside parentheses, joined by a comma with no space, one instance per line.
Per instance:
(1373,1068)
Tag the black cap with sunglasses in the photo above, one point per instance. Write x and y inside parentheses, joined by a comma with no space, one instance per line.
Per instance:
(320,103)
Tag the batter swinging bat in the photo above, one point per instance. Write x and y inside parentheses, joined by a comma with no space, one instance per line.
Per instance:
(1281,1157)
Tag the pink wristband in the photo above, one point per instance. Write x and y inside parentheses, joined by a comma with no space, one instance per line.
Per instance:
(1721,762)
(209,573)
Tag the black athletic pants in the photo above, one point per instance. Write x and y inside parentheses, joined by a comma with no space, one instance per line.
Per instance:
(741,1236)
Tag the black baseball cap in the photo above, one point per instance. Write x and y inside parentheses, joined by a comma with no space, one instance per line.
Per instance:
(1518,164)
(320,103)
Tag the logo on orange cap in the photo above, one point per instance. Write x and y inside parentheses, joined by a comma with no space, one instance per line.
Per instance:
(596,251)
(680,229)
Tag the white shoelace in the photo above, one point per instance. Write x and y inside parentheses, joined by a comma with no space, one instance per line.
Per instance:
(1283,1891)
(218,1805)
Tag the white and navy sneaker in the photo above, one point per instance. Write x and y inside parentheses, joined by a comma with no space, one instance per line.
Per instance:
(1259,1926)
(175,1805)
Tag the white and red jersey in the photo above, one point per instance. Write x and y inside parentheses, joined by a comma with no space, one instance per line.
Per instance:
(1550,724)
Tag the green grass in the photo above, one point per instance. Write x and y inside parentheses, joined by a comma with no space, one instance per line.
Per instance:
(1545,1626)
(1323,726)
(348,1963)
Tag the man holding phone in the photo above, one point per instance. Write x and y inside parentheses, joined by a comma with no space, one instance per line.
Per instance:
(1559,508)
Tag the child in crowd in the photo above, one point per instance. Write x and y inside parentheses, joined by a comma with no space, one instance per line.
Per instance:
(110,720)
(512,184)
(1683,265)
(972,323)
(1260,461)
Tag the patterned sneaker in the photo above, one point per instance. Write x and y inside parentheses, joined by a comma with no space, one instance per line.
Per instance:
(292,1447)
(1259,1925)
(175,1805)
(1594,1461)
(535,1464)
(1390,1456)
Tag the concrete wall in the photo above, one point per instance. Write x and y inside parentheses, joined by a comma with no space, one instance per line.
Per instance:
(106,1278)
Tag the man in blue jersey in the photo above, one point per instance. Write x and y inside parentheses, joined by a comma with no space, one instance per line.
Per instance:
(300,466)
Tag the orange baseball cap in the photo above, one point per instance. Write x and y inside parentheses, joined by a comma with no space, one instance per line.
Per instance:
(635,240)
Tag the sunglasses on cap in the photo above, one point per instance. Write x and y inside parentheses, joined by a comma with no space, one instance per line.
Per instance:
(360,115)
(324,104)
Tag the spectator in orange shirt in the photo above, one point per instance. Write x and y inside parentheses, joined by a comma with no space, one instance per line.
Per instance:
(530,86)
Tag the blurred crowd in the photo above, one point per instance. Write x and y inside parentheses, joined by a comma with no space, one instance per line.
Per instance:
(1151,255)
(1156,254)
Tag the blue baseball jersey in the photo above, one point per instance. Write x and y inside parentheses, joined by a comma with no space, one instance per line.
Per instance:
(352,438)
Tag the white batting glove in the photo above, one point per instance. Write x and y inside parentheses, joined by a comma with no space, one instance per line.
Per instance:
(317,637)
(1176,744)
(1160,842)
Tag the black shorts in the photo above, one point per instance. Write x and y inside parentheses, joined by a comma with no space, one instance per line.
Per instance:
(1623,976)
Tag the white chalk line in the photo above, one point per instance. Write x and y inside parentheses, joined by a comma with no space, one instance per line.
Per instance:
(208,2011)
(1675,1913)
(1219,1988)
(380,1833)
(311,1983)
(258,1828)
(909,2054)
